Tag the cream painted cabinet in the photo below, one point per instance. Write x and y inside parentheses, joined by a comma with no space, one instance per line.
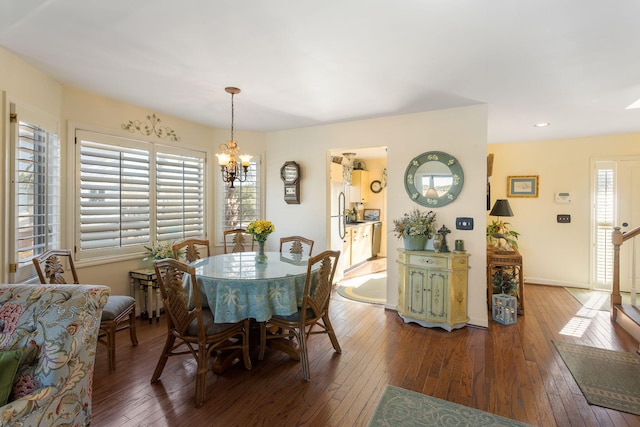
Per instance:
(432,288)
(360,243)
(346,249)
(335,172)
(359,186)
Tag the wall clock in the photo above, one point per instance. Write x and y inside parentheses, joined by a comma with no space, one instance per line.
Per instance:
(290,175)
(376,186)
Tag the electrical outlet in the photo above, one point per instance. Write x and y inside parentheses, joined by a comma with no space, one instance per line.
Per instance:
(564,218)
(464,223)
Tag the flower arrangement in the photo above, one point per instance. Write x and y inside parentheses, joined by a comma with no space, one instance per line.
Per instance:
(501,230)
(161,250)
(415,223)
(261,229)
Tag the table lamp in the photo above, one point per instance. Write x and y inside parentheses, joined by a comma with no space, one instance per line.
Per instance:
(501,208)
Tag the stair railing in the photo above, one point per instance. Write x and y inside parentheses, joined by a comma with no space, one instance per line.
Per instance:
(618,238)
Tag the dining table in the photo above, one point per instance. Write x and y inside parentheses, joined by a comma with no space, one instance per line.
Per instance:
(236,287)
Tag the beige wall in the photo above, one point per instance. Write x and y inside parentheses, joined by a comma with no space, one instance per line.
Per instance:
(460,132)
(555,254)
(406,136)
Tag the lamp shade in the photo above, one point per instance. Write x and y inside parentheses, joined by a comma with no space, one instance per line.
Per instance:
(501,208)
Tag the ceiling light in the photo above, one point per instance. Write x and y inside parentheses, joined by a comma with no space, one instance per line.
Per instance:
(634,105)
(541,125)
(229,165)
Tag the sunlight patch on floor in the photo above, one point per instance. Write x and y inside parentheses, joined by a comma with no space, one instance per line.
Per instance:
(576,326)
(360,280)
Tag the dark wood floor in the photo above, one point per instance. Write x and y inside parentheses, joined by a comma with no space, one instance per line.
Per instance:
(513,371)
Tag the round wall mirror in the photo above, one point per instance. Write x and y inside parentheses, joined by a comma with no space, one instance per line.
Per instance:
(433,179)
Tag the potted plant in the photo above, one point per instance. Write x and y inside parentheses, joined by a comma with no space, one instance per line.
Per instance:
(501,238)
(415,228)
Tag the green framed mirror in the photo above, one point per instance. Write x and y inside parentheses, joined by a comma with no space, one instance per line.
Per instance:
(433,179)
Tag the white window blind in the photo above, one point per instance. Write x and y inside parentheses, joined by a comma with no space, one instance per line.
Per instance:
(114,196)
(133,193)
(36,225)
(604,214)
(240,205)
(179,196)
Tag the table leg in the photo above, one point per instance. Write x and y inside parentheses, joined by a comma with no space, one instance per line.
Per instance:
(157,291)
(150,300)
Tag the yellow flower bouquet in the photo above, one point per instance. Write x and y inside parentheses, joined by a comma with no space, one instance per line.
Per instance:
(261,229)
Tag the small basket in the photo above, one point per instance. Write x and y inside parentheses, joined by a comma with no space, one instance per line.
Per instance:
(505,309)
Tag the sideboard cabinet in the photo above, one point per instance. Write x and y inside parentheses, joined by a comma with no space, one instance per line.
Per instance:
(432,288)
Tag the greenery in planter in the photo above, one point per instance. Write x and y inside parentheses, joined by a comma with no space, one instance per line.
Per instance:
(415,223)
(498,230)
(504,283)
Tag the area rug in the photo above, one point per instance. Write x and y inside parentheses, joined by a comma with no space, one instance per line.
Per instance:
(371,288)
(606,378)
(596,300)
(400,407)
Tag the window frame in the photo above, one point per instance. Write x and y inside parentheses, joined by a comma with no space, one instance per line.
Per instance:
(105,255)
(48,124)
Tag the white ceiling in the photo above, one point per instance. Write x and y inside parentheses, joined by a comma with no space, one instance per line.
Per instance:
(573,63)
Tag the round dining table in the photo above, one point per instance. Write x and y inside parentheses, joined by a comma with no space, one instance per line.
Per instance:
(235,287)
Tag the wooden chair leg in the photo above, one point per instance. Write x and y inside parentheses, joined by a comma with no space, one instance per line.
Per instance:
(201,376)
(132,326)
(304,357)
(163,358)
(245,344)
(111,345)
(263,340)
(332,334)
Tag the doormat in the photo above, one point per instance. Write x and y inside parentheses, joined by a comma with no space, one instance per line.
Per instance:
(400,407)
(596,300)
(606,378)
(371,288)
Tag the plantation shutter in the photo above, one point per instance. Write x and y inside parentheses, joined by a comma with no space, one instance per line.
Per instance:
(114,195)
(604,220)
(35,199)
(179,195)
(241,204)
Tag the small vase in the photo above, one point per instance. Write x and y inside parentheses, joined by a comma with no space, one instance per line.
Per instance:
(261,258)
(415,243)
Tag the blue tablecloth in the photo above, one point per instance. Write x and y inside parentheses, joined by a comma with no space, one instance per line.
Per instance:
(235,288)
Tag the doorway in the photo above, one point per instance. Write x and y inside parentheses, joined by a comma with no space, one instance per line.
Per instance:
(368,201)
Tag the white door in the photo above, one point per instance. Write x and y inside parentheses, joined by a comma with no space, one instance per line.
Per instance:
(628,198)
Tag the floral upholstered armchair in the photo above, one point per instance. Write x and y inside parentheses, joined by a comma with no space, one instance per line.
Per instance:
(54,329)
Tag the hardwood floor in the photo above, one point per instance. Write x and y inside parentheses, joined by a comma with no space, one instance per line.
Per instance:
(513,371)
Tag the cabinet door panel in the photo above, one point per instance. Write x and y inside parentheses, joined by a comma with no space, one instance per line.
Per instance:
(437,296)
(417,295)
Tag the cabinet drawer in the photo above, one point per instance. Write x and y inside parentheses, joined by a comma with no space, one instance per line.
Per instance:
(428,261)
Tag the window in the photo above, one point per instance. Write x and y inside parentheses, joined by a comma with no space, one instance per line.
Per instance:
(240,205)
(35,198)
(604,218)
(132,193)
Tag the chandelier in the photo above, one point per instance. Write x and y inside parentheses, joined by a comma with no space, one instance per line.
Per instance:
(229,166)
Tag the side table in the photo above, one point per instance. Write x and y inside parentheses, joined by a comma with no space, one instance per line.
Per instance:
(506,266)
(145,279)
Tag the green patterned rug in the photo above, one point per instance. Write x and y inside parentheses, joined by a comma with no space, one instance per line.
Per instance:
(371,288)
(606,378)
(400,407)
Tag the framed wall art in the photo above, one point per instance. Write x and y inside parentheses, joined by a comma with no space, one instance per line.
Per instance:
(522,186)
(372,214)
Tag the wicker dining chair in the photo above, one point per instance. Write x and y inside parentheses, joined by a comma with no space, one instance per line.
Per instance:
(192,251)
(194,327)
(238,240)
(314,311)
(118,314)
(296,245)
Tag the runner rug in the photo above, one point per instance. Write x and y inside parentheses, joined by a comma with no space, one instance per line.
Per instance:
(371,288)
(400,407)
(606,378)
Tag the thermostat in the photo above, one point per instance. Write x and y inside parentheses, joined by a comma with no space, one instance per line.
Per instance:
(563,197)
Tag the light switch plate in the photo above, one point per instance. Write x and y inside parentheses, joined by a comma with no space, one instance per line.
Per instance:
(464,223)
(563,218)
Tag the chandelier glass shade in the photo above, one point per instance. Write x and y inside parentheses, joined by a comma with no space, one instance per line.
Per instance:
(232,170)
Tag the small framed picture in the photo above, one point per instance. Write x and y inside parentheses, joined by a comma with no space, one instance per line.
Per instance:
(522,186)
(372,214)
